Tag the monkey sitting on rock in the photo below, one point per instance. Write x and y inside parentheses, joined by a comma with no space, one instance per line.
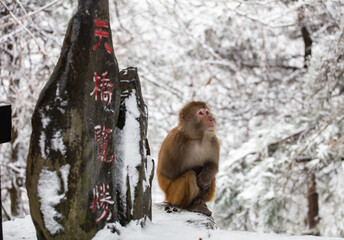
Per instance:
(189,158)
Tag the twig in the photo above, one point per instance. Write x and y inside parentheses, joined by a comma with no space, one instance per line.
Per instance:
(29,14)
(27,30)
(119,18)
(266,22)
(205,46)
(318,133)
(164,86)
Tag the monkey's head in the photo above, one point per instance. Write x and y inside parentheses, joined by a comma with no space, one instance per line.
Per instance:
(195,119)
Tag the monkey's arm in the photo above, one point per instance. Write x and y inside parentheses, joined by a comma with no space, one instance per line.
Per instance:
(206,175)
(172,155)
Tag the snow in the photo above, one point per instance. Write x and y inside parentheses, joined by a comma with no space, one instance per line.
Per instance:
(45,120)
(148,171)
(167,226)
(130,149)
(167,41)
(48,188)
(20,228)
(57,142)
(42,139)
(64,170)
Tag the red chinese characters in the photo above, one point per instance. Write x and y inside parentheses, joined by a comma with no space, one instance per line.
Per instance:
(102,201)
(101,34)
(102,137)
(102,87)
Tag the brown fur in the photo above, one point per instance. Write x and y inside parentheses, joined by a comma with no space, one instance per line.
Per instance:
(188,159)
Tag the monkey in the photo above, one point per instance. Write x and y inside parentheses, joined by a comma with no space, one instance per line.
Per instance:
(188,159)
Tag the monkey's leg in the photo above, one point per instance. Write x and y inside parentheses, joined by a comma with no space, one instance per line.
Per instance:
(198,205)
(163,181)
(183,190)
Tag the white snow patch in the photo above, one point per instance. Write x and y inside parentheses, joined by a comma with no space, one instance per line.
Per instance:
(20,228)
(42,145)
(45,121)
(175,226)
(164,226)
(57,142)
(48,188)
(64,170)
(148,172)
(57,91)
(131,105)
(130,148)
(149,164)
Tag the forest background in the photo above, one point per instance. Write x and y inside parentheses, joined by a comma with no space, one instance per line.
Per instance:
(272,72)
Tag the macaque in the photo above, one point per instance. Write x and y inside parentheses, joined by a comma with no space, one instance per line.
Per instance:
(189,158)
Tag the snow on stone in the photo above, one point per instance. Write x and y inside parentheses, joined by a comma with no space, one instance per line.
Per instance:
(131,105)
(59,102)
(64,170)
(148,172)
(42,145)
(48,188)
(45,122)
(57,142)
(171,226)
(129,145)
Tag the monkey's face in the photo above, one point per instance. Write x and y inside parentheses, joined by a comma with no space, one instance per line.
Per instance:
(196,120)
(206,119)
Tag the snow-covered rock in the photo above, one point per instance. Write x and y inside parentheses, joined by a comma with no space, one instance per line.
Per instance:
(177,225)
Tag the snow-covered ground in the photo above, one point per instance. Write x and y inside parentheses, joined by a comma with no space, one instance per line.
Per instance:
(167,226)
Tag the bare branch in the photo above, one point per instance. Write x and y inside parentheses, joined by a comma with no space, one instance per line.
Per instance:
(27,30)
(28,15)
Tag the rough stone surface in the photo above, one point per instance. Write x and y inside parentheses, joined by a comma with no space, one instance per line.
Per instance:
(134,206)
(73,171)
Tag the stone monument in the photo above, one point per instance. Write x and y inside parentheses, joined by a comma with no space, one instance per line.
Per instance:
(80,174)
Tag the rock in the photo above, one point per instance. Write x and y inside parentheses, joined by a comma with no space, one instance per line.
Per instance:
(198,220)
(135,180)
(79,173)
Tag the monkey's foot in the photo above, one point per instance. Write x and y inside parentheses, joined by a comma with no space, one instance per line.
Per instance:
(199,206)
(170,208)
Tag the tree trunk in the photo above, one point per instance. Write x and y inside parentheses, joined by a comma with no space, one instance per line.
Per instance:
(306,36)
(313,207)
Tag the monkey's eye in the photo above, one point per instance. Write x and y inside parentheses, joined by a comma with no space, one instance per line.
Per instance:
(207,112)
(200,113)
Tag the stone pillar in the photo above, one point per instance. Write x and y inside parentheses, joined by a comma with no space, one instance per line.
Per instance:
(133,153)
(71,168)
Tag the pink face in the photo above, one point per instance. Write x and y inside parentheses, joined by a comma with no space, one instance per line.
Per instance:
(205,116)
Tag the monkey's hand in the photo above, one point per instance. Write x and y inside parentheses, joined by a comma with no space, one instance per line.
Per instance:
(206,175)
(204,180)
